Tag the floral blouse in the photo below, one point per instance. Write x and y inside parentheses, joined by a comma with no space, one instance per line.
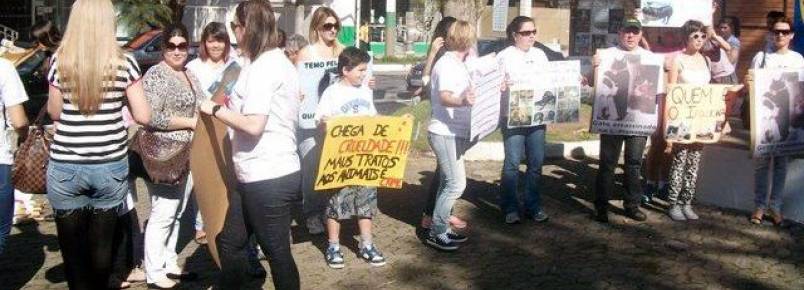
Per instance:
(169,96)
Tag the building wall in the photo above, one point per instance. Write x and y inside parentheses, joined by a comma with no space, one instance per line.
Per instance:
(752,23)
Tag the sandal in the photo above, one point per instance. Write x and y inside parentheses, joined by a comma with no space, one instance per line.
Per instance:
(776,217)
(756,217)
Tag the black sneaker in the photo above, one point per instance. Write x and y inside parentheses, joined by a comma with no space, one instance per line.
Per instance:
(441,242)
(456,237)
(602,215)
(635,214)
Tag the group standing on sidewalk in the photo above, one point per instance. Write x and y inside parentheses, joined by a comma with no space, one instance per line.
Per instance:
(275,159)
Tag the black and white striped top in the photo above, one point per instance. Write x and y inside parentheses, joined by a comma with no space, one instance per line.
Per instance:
(98,138)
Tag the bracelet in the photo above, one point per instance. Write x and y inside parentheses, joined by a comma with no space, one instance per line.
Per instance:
(215,110)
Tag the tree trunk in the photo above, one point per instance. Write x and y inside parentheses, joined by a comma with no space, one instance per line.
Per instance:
(468,10)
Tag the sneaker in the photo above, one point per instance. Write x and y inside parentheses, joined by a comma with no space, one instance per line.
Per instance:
(676,213)
(334,258)
(540,217)
(635,214)
(512,218)
(687,210)
(372,255)
(137,275)
(456,237)
(601,214)
(647,198)
(441,242)
(315,226)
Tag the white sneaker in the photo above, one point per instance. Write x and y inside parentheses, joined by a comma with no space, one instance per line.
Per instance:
(137,275)
(314,225)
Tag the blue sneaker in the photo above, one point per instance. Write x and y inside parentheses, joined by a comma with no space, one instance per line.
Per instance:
(334,258)
(372,255)
(649,191)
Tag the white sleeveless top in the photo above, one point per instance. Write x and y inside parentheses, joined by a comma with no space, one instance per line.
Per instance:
(693,76)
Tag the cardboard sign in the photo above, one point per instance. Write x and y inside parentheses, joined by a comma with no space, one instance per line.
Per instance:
(369,151)
(311,74)
(555,96)
(487,79)
(626,85)
(695,113)
(674,13)
(777,112)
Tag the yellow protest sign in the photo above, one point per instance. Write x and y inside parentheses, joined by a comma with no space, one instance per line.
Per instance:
(369,151)
(695,113)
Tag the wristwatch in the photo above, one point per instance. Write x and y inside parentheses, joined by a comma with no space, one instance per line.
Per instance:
(215,109)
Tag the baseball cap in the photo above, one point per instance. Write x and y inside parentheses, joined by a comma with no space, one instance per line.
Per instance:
(631,23)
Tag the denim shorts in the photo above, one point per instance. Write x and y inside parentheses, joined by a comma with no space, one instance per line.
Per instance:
(95,186)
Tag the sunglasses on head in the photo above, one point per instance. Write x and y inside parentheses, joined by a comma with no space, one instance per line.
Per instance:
(330,26)
(526,32)
(784,32)
(170,46)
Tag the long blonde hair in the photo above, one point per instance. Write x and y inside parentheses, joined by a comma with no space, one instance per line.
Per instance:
(320,18)
(89,55)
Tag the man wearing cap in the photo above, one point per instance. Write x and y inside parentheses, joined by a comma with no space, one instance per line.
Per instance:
(630,35)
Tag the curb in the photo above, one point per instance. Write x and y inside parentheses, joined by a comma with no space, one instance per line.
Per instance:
(494,151)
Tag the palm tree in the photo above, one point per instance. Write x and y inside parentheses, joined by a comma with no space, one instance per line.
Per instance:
(143,15)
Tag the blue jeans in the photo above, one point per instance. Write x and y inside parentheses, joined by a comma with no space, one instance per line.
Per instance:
(519,143)
(449,152)
(761,171)
(6,204)
(73,186)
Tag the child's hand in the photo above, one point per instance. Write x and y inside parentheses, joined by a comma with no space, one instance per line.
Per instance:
(469,96)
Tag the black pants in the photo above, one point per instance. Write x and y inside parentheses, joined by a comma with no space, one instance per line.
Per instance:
(610,147)
(86,236)
(263,208)
(126,237)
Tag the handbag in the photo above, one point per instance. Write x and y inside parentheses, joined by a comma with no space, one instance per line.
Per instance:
(166,161)
(29,172)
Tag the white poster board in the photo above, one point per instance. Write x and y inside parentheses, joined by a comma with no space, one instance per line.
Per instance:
(487,80)
(777,112)
(673,13)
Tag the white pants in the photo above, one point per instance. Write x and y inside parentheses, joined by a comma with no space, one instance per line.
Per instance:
(162,230)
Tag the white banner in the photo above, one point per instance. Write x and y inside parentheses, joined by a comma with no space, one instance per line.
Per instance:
(487,79)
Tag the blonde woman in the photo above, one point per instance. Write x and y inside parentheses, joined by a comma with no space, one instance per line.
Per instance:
(88,168)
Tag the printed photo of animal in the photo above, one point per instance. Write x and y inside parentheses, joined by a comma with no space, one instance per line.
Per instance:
(658,11)
(678,132)
(612,93)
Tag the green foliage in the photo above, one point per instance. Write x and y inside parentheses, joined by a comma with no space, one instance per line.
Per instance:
(142,15)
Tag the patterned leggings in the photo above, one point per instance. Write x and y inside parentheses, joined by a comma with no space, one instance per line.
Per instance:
(684,173)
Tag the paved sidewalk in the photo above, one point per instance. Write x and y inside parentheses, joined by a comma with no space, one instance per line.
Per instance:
(721,251)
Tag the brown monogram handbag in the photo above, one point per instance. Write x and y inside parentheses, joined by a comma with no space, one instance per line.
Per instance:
(166,161)
(29,172)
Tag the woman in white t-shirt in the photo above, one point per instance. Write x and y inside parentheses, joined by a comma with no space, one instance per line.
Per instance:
(12,95)
(452,99)
(520,62)
(781,56)
(263,114)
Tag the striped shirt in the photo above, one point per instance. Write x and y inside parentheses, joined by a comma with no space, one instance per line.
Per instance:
(102,136)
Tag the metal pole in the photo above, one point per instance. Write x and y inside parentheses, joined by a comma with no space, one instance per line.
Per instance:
(390,27)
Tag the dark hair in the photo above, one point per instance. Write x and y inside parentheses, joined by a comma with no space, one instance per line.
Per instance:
(772,16)
(47,34)
(514,26)
(259,24)
(281,38)
(442,28)
(214,31)
(732,22)
(350,58)
(690,27)
(175,29)
(780,20)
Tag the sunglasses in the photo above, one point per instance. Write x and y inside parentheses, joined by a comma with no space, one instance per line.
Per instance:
(330,26)
(526,32)
(170,46)
(697,36)
(783,32)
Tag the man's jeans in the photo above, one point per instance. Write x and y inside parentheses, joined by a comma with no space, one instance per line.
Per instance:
(6,204)
(761,171)
(610,147)
(519,143)
(449,152)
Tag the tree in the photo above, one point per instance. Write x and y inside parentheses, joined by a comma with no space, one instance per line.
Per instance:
(469,10)
(142,15)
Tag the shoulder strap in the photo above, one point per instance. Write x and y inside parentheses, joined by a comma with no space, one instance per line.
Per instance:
(764,58)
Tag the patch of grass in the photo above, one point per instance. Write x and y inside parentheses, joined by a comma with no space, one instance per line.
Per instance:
(565,132)
(405,59)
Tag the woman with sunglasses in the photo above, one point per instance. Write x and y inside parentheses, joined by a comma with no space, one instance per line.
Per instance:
(689,67)
(263,114)
(173,94)
(520,62)
(780,56)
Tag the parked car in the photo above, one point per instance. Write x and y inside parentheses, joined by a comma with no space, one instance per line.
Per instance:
(147,48)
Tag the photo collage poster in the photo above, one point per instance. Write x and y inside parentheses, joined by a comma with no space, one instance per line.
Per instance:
(626,86)
(595,25)
(777,112)
(554,98)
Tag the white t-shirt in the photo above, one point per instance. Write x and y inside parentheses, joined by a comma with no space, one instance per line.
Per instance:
(520,66)
(341,99)
(449,74)
(12,93)
(206,74)
(269,86)
(791,59)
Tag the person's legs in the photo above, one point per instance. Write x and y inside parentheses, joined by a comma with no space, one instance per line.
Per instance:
(162,229)
(313,204)
(690,176)
(761,171)
(101,230)
(533,175)
(677,168)
(449,153)
(6,204)
(72,227)
(432,193)
(634,148)
(778,184)
(610,147)
(514,142)
(267,208)
(108,184)
(232,243)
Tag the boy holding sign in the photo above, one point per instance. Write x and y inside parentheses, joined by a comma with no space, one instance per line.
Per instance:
(348,98)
